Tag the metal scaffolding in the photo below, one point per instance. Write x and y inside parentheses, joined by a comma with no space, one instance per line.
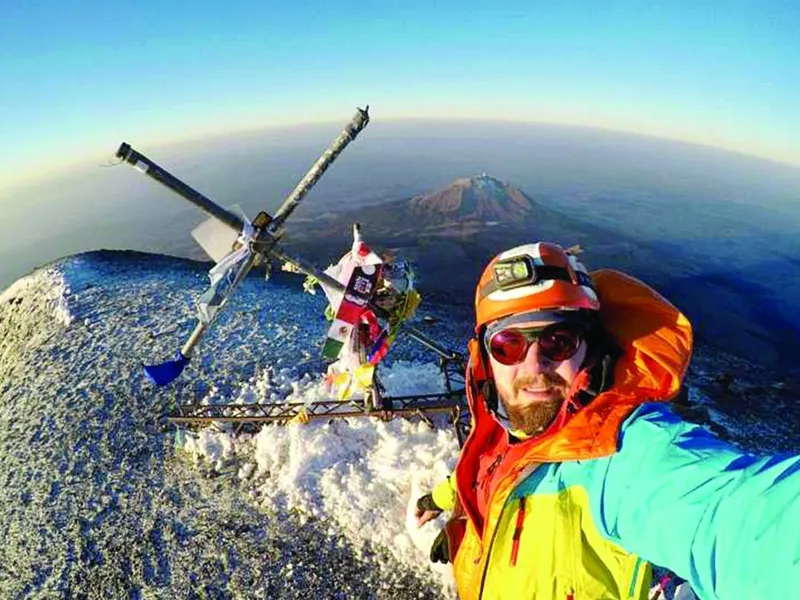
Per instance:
(250,417)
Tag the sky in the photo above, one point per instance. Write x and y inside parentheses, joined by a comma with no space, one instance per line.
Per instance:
(76,82)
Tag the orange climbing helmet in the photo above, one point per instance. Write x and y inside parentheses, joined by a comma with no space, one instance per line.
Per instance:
(532,278)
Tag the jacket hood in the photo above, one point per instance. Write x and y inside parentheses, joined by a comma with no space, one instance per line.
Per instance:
(656,340)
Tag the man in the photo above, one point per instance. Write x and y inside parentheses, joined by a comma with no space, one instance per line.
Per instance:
(577,474)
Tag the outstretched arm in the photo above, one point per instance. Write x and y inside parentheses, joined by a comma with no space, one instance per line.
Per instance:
(726,521)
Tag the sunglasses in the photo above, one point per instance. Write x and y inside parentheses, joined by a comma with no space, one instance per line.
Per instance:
(557,342)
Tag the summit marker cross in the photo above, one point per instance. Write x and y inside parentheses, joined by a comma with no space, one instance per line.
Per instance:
(259,242)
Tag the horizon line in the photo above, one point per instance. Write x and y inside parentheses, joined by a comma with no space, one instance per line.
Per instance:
(35,174)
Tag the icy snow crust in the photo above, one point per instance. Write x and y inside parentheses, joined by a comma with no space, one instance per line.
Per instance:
(100,499)
(97,502)
(360,476)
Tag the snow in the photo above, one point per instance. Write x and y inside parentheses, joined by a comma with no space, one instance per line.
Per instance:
(362,476)
(46,287)
(95,498)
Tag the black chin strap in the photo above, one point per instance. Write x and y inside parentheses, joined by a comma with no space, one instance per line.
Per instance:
(601,378)
(601,372)
(489,393)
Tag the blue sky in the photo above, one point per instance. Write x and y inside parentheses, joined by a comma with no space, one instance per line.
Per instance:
(77,78)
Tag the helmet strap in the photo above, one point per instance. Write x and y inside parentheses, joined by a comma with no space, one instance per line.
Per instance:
(601,378)
(489,393)
(605,352)
(482,374)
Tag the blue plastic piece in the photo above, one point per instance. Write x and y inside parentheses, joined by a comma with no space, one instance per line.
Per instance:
(166,372)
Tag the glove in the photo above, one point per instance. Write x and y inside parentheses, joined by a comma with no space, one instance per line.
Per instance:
(440,549)
(427,509)
(426,503)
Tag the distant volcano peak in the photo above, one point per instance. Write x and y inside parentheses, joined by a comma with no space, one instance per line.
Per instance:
(484,179)
(480,197)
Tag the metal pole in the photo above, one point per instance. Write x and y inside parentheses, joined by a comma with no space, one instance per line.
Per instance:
(351,131)
(359,121)
(416,334)
(265,238)
(265,242)
(200,328)
(152,170)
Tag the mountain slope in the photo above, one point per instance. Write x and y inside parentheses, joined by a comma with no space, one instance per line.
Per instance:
(450,234)
(456,230)
(96,501)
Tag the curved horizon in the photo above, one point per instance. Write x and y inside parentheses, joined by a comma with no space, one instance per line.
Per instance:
(39,173)
(76,82)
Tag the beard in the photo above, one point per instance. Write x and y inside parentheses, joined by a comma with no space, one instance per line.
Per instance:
(534,417)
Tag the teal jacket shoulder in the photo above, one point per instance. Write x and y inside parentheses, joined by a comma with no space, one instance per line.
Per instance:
(725,520)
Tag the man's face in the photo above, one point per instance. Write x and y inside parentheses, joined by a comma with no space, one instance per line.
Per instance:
(533,390)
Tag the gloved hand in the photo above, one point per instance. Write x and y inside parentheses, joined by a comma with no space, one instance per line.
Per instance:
(426,509)
(440,549)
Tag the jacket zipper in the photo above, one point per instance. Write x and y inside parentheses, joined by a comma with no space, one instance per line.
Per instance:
(520,476)
(517,531)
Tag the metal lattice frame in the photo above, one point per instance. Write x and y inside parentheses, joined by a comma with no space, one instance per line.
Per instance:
(281,412)
(250,416)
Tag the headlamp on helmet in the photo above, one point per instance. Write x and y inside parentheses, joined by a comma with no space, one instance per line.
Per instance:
(530,278)
(514,272)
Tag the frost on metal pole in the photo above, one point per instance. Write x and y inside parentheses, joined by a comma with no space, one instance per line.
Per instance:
(357,124)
